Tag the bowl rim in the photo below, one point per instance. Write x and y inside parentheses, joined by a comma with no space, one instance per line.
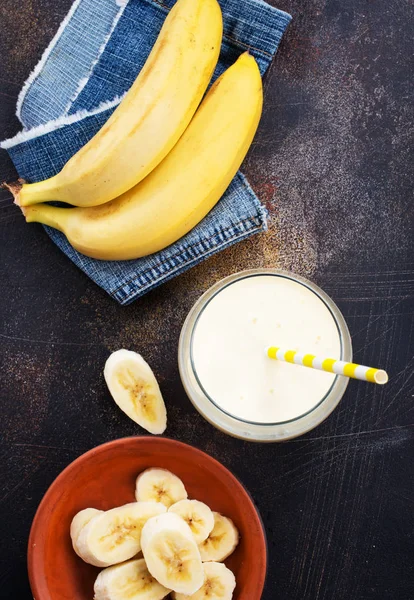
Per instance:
(34,559)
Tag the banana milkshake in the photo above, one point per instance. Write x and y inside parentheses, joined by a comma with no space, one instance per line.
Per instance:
(223,360)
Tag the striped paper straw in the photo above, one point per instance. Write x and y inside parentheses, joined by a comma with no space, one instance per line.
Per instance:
(331,365)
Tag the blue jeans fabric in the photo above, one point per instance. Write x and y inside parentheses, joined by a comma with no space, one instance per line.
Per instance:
(94,59)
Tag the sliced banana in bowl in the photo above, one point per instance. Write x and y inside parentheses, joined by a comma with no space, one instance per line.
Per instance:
(221,542)
(159,485)
(130,580)
(105,477)
(114,536)
(171,554)
(79,521)
(198,516)
(219,584)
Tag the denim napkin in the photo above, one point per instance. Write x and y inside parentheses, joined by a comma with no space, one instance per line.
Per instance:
(91,62)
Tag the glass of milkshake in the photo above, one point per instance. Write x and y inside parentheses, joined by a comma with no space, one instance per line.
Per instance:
(223,363)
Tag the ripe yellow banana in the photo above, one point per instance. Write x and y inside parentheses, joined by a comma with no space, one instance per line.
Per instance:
(183,188)
(150,119)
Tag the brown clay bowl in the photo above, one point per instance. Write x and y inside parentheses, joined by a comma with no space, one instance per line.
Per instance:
(104,478)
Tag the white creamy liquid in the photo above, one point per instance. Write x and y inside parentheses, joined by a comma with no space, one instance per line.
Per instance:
(229,341)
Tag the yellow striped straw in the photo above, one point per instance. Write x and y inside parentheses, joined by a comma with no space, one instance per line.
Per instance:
(331,365)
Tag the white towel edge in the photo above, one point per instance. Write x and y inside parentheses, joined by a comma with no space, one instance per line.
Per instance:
(29,134)
(39,66)
(82,83)
(35,72)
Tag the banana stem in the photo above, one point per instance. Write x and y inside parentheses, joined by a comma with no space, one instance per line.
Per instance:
(34,193)
(48,215)
(14,188)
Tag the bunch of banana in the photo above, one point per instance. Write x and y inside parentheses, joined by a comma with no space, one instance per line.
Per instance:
(154,173)
(183,547)
(149,120)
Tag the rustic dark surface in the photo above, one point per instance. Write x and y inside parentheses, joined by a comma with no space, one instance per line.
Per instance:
(331,161)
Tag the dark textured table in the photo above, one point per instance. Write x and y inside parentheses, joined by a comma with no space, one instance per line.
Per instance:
(332,163)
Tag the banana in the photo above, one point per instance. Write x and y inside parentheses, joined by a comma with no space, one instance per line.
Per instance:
(150,119)
(115,535)
(219,584)
(171,554)
(135,390)
(197,515)
(183,188)
(159,485)
(129,581)
(221,542)
(79,521)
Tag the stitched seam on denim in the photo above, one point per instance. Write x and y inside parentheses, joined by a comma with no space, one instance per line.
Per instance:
(228,37)
(187,263)
(221,231)
(159,4)
(189,248)
(249,190)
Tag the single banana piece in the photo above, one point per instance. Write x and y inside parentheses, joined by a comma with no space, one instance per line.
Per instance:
(130,580)
(198,517)
(221,542)
(135,389)
(115,535)
(79,521)
(171,554)
(183,188)
(219,584)
(159,485)
(149,120)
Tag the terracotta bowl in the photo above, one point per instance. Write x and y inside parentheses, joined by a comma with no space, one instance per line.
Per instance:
(104,478)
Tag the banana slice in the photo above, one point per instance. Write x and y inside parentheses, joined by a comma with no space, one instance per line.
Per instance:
(171,554)
(219,584)
(159,485)
(197,515)
(79,521)
(129,581)
(115,535)
(222,540)
(135,390)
